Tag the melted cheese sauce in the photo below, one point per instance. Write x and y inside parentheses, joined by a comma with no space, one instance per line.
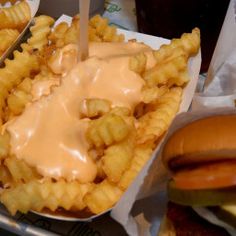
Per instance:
(43,88)
(50,133)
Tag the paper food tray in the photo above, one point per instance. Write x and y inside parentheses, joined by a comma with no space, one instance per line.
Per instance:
(129,196)
(34,5)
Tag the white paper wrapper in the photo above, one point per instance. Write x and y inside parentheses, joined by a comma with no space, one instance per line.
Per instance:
(224,56)
(34,5)
(220,85)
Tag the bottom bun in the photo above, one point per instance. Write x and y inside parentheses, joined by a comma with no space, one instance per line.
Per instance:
(183,220)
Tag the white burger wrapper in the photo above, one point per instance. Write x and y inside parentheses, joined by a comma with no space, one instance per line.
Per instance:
(152,177)
(34,5)
(180,121)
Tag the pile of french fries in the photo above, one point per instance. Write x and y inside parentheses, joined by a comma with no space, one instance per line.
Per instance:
(121,141)
(13,20)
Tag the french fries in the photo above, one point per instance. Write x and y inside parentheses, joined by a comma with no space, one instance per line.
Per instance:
(7,37)
(102,197)
(15,17)
(13,20)
(120,140)
(37,195)
(40,31)
(99,31)
(107,130)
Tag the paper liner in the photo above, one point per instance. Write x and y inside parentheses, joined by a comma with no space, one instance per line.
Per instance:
(34,5)
(224,50)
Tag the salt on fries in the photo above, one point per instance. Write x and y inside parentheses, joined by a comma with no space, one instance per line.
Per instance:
(120,140)
(13,20)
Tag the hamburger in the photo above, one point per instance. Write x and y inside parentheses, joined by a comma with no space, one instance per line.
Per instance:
(201,160)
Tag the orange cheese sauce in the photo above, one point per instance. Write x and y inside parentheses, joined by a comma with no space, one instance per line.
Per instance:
(50,134)
(43,87)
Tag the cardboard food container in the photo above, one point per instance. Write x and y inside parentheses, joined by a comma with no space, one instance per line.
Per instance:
(34,5)
(121,210)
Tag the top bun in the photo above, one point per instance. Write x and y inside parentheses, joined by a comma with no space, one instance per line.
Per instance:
(208,139)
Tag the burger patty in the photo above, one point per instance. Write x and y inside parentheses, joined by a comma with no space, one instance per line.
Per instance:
(187,222)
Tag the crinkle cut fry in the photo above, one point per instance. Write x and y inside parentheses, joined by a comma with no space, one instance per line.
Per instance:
(57,34)
(94,107)
(5,176)
(169,72)
(102,197)
(16,16)
(138,63)
(17,100)
(37,195)
(151,94)
(154,123)
(118,157)
(14,72)
(142,153)
(4,145)
(98,31)
(20,171)
(7,37)
(104,31)
(40,32)
(172,61)
(107,130)
(188,44)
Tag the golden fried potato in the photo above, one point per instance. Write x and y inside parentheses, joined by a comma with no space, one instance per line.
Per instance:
(117,158)
(94,107)
(17,100)
(152,94)
(16,16)
(98,31)
(141,155)
(107,130)
(57,34)
(154,123)
(4,145)
(14,71)
(40,32)
(138,63)
(171,70)
(37,195)
(104,31)
(5,177)
(20,171)
(7,38)
(102,197)
(188,45)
